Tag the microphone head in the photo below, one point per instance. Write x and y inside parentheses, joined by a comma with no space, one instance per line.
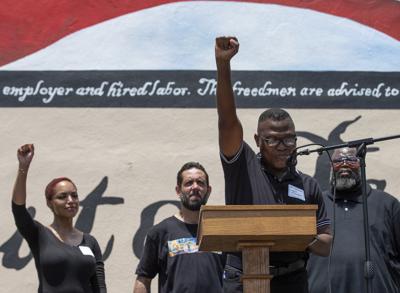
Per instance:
(292,160)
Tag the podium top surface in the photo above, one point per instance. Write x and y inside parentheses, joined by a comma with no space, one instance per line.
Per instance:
(225,227)
(258,207)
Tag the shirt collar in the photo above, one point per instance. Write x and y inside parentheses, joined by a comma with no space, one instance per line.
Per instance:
(354,195)
(289,175)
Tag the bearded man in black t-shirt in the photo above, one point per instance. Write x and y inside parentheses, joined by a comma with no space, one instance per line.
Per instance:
(170,249)
(264,178)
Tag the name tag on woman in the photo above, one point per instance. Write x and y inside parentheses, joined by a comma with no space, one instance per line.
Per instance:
(86,250)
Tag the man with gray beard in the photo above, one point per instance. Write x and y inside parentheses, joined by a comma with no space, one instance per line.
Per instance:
(348,252)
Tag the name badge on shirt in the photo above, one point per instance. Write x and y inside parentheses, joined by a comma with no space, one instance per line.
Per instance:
(86,250)
(296,192)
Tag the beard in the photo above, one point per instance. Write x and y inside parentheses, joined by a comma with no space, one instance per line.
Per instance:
(348,182)
(193,205)
(345,183)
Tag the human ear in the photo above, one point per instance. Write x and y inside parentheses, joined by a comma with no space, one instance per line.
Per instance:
(256,138)
(178,191)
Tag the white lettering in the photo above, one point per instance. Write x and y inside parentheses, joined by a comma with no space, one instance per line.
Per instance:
(355,91)
(266,90)
(210,87)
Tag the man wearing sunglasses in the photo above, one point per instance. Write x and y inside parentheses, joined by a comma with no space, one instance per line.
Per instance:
(264,178)
(348,254)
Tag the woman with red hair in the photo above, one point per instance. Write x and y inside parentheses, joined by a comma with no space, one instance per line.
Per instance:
(66,259)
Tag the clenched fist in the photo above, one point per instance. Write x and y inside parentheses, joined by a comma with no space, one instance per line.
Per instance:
(25,154)
(226,48)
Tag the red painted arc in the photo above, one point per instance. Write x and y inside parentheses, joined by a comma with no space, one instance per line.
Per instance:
(29,25)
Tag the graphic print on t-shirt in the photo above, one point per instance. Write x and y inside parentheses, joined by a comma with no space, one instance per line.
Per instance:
(182,246)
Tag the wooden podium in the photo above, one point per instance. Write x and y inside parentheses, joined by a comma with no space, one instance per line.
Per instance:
(255,230)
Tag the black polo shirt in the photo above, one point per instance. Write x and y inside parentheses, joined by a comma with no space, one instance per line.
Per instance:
(248,182)
(348,254)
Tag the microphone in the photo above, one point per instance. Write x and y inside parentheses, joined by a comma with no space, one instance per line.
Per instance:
(291,161)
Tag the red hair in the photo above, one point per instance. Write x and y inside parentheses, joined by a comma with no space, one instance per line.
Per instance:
(49,191)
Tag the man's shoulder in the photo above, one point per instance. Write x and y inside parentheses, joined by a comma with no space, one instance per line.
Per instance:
(383,196)
(307,179)
(304,176)
(379,192)
(163,226)
(327,193)
(244,150)
(327,196)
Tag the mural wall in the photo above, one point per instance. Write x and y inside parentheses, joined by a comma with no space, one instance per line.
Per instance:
(118,95)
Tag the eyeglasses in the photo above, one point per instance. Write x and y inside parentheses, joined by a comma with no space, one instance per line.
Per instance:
(287,141)
(350,161)
(64,195)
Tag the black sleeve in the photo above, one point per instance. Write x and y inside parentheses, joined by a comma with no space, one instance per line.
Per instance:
(98,281)
(323,221)
(148,266)
(394,251)
(237,181)
(396,229)
(25,224)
